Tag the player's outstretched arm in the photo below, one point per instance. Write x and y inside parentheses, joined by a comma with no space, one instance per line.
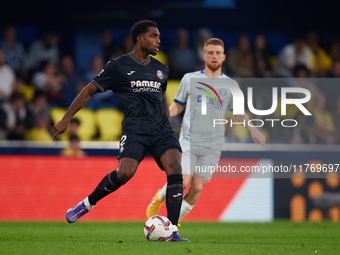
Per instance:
(175,109)
(254,132)
(78,103)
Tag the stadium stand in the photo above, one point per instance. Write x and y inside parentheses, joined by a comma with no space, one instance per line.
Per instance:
(109,121)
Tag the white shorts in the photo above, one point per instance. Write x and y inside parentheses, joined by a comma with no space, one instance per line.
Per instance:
(196,160)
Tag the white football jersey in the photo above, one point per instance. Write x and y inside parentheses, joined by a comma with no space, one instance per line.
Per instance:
(202,95)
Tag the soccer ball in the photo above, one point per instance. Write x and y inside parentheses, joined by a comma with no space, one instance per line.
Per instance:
(158,228)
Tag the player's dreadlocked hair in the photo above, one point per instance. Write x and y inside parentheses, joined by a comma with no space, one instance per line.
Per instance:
(213,41)
(141,27)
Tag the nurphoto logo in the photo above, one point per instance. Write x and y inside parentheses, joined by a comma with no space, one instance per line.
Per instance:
(238,104)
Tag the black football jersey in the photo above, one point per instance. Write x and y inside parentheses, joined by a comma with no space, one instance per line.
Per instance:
(139,87)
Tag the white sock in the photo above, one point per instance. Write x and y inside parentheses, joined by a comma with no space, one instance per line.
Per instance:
(162,193)
(185,209)
(174,228)
(87,203)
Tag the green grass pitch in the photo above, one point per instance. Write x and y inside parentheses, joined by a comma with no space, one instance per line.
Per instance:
(278,237)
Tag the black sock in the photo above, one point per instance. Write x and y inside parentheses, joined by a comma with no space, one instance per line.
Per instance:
(174,195)
(109,184)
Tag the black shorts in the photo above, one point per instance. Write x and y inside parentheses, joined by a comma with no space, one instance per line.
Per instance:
(137,146)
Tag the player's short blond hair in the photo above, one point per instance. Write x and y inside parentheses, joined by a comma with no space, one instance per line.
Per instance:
(213,41)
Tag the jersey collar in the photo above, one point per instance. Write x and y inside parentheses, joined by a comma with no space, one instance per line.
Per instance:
(203,72)
(138,61)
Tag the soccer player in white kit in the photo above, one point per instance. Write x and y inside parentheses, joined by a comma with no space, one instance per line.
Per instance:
(201,142)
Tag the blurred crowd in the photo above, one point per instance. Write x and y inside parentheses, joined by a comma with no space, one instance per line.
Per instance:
(38,77)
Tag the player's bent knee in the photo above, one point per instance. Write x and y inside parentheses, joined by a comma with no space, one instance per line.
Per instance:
(125,175)
(173,168)
(126,169)
(171,162)
(176,167)
(197,186)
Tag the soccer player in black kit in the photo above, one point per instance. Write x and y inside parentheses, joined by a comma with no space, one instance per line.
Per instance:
(139,81)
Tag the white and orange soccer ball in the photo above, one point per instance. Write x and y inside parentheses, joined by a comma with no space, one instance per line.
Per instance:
(158,228)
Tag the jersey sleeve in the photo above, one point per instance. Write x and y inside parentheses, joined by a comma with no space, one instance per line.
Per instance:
(107,78)
(183,91)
